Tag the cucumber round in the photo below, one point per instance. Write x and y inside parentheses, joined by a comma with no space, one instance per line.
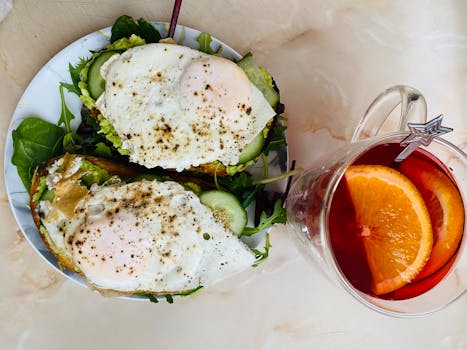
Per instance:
(96,84)
(226,206)
(253,149)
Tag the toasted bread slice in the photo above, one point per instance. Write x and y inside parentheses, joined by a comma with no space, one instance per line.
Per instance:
(69,191)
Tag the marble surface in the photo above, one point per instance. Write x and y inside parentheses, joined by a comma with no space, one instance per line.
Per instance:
(330,59)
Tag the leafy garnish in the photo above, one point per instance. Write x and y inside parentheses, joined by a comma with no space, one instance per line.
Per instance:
(278,216)
(277,140)
(204,40)
(241,185)
(34,141)
(92,141)
(75,76)
(125,26)
(190,291)
(169,297)
(152,298)
(261,256)
(71,140)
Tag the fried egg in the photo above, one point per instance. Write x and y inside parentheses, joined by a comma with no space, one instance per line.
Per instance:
(142,236)
(176,107)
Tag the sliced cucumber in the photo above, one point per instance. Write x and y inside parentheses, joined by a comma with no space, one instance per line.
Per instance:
(252,149)
(227,207)
(96,84)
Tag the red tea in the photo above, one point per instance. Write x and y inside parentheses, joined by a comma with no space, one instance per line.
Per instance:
(345,233)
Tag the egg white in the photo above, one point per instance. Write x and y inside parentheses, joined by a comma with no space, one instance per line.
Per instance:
(176,107)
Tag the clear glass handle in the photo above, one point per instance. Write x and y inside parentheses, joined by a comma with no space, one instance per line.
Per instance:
(413,109)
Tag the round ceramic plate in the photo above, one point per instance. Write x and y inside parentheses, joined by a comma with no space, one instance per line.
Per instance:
(42,99)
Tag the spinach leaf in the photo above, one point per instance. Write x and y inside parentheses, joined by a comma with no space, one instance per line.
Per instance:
(125,26)
(148,32)
(75,76)
(34,141)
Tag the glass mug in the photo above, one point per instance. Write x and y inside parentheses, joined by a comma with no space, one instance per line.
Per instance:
(309,202)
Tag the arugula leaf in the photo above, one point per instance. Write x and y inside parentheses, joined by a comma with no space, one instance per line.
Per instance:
(75,76)
(278,216)
(261,256)
(71,140)
(169,298)
(34,141)
(125,26)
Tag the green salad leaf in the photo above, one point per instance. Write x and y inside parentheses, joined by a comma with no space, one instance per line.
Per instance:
(93,174)
(35,141)
(204,40)
(125,26)
(75,76)
(261,256)
(278,216)
(277,140)
(241,185)
(152,298)
(71,140)
(169,297)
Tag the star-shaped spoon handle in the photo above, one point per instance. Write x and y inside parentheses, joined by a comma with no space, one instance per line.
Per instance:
(421,134)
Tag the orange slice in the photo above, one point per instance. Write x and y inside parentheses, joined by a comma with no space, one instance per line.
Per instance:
(394,224)
(444,204)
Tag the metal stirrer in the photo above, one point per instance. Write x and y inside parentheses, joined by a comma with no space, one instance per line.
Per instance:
(421,134)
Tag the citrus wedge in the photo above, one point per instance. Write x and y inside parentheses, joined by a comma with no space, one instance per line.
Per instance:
(445,207)
(394,224)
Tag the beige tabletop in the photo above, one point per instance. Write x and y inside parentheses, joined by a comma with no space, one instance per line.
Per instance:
(330,59)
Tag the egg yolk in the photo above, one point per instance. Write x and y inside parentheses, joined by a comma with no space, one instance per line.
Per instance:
(112,248)
(214,85)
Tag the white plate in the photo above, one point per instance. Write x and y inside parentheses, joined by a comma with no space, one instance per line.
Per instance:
(42,99)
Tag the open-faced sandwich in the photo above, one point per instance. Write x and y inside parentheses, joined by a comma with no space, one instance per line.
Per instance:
(170,106)
(104,197)
(130,233)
